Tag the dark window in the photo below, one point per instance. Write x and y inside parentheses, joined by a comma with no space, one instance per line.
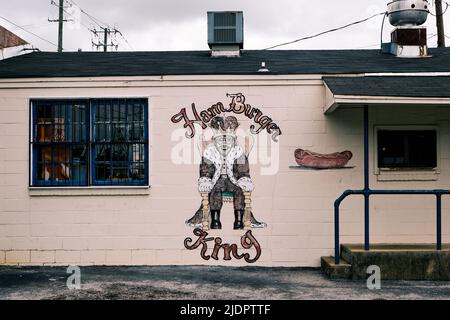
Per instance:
(407,149)
(89,142)
(60,143)
(119,142)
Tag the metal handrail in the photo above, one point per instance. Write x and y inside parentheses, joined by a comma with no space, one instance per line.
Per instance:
(368,192)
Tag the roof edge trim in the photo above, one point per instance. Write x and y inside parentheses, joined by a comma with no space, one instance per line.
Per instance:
(349,100)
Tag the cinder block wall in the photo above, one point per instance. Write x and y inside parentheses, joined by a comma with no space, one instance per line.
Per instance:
(146,227)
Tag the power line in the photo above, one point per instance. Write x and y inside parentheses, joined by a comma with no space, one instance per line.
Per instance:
(70,14)
(105,27)
(98,22)
(121,35)
(377,44)
(444,12)
(32,33)
(32,26)
(95,20)
(328,31)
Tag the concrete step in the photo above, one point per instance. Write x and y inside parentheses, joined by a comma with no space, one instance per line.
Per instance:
(396,262)
(333,271)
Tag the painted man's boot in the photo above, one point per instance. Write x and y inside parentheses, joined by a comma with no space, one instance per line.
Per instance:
(215,219)
(238,219)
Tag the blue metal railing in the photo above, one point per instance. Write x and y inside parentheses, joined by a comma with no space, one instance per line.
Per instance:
(367,192)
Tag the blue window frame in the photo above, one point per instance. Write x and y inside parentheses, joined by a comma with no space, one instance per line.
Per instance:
(119,141)
(89,142)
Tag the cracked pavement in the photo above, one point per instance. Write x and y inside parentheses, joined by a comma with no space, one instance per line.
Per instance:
(203,283)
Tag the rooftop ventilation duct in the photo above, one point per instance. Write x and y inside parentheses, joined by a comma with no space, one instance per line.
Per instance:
(409,39)
(408,12)
(225,33)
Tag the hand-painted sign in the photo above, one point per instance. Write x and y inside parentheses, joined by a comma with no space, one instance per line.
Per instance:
(237,106)
(248,241)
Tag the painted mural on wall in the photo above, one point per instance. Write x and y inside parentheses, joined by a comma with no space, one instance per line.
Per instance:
(319,161)
(224,175)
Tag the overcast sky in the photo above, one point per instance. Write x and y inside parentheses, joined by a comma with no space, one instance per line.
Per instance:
(181,24)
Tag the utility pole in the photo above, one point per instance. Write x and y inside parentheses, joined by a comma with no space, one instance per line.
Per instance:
(60,21)
(60,25)
(105,40)
(107,32)
(440,24)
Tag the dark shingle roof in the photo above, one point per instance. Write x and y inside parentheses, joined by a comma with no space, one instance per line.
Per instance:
(89,64)
(420,87)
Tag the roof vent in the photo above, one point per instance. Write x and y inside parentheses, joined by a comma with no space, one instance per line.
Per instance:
(263,68)
(408,40)
(225,33)
(408,12)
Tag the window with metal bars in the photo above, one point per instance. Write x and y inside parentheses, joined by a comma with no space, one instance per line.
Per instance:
(89,142)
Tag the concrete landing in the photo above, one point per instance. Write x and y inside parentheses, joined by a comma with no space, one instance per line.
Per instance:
(396,262)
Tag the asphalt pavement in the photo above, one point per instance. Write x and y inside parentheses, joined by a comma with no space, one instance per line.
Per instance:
(202,282)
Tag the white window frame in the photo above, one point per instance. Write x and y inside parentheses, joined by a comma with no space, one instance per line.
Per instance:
(406,174)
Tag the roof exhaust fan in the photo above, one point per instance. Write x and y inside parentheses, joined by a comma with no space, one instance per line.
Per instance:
(409,39)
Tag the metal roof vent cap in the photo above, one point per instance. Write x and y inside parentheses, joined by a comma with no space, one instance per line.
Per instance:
(225,33)
(263,67)
(409,39)
(408,12)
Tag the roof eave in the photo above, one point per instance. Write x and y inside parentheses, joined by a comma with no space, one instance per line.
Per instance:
(336,101)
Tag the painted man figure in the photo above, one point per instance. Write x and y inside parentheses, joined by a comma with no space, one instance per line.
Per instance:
(224,170)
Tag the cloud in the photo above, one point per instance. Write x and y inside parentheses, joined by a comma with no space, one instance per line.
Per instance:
(181,24)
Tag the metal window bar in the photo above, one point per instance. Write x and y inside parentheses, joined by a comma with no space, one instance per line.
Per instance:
(53,143)
(118,141)
(63,141)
